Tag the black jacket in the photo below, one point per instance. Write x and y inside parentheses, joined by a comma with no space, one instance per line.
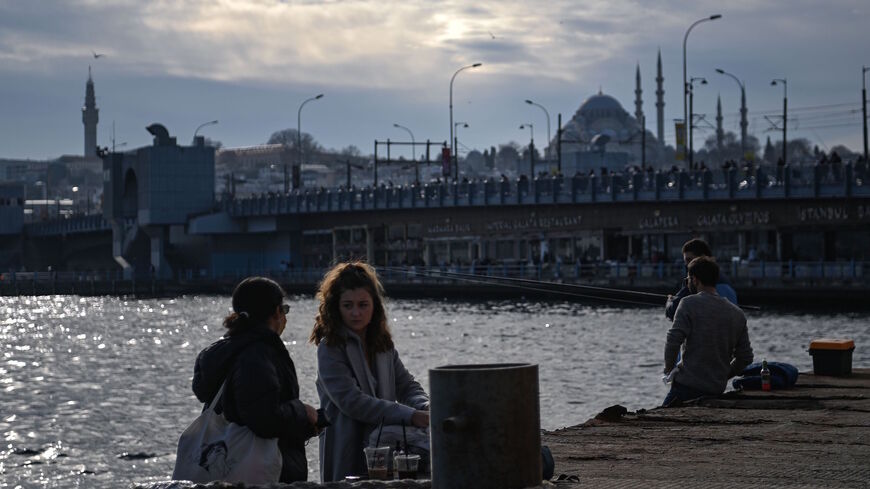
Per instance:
(262,392)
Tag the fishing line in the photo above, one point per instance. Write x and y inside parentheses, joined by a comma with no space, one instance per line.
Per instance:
(543,286)
(525,287)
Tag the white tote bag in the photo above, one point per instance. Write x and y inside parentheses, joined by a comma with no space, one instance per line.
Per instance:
(213,449)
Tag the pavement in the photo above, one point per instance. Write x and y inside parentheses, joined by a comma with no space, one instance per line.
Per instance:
(816,434)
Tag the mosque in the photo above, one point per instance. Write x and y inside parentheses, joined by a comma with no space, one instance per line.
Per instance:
(602,134)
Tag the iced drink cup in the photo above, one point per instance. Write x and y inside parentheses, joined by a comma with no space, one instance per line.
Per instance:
(376,462)
(406,465)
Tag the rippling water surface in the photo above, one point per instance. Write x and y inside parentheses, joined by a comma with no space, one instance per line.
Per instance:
(94,391)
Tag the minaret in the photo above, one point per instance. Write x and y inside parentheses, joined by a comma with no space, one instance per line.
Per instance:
(90,117)
(720,133)
(660,103)
(638,99)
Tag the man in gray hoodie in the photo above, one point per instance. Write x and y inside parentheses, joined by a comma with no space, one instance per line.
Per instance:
(711,335)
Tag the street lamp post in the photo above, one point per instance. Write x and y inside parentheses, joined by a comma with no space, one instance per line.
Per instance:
(686,118)
(452,146)
(692,116)
(298,175)
(209,123)
(546,148)
(784,117)
(531,148)
(864,70)
(743,123)
(413,151)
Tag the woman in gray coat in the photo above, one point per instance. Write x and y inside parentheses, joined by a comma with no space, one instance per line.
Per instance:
(360,378)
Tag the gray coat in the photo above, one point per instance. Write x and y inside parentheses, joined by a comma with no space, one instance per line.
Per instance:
(356,403)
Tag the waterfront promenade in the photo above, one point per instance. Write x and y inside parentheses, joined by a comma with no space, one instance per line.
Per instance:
(814,435)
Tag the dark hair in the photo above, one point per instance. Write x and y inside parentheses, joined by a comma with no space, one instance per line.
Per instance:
(697,247)
(254,300)
(705,269)
(328,323)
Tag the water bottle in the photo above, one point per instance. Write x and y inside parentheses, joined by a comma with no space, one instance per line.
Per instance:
(765,376)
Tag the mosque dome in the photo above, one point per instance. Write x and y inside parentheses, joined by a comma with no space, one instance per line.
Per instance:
(601,105)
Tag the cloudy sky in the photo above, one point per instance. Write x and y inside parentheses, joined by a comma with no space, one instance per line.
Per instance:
(250,63)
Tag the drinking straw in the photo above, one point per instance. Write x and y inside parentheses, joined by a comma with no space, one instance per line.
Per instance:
(380,428)
(405,436)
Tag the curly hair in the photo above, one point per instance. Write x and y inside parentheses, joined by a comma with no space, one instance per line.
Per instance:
(328,323)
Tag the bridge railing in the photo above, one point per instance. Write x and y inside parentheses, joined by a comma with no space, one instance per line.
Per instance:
(703,184)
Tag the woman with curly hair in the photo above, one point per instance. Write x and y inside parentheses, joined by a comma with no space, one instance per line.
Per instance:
(360,378)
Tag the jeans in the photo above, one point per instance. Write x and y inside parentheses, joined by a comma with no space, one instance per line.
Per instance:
(680,393)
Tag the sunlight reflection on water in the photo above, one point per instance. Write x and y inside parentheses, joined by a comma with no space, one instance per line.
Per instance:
(95,391)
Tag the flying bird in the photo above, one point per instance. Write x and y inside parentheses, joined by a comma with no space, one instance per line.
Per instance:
(491,34)
(97,55)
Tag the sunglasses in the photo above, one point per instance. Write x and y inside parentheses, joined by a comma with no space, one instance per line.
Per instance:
(285,308)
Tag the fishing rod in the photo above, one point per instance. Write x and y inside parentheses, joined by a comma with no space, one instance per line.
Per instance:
(547,286)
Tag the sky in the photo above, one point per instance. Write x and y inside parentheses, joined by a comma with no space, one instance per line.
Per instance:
(250,64)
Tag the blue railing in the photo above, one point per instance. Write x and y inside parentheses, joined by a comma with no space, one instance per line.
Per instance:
(730,184)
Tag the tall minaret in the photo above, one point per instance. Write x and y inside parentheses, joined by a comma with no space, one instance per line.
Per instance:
(660,103)
(90,117)
(638,99)
(720,133)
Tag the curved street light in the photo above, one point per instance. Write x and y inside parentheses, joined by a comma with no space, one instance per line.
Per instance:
(209,123)
(547,147)
(686,119)
(297,183)
(452,145)
(743,123)
(413,150)
(784,116)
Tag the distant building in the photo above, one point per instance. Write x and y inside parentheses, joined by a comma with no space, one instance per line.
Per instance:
(603,135)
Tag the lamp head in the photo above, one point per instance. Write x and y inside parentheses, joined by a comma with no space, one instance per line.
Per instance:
(530,102)
(320,96)
(720,71)
(475,65)
(716,16)
(395,125)
(773,82)
(703,81)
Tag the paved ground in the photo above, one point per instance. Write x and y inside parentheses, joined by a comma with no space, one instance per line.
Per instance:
(815,435)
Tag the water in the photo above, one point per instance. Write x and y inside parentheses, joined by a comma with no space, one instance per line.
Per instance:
(94,391)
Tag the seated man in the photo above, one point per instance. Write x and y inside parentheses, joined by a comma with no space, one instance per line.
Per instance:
(692,249)
(710,332)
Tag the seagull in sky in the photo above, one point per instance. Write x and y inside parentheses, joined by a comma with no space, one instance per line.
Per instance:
(491,34)
(97,55)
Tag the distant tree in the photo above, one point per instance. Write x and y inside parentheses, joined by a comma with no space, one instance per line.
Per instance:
(351,150)
(475,161)
(845,153)
(508,157)
(214,143)
(288,137)
(731,148)
(799,151)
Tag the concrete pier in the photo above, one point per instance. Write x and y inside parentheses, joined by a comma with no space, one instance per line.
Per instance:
(814,435)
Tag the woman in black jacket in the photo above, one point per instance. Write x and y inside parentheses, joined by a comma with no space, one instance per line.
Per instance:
(261,391)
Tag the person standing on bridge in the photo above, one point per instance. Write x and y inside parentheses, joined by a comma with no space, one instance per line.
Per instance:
(711,335)
(693,249)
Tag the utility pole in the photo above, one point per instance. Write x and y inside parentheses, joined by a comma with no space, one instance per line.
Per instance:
(864,70)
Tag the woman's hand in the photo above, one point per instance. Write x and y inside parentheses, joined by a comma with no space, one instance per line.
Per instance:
(420,419)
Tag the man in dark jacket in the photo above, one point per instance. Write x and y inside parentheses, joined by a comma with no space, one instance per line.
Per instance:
(261,392)
(693,249)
